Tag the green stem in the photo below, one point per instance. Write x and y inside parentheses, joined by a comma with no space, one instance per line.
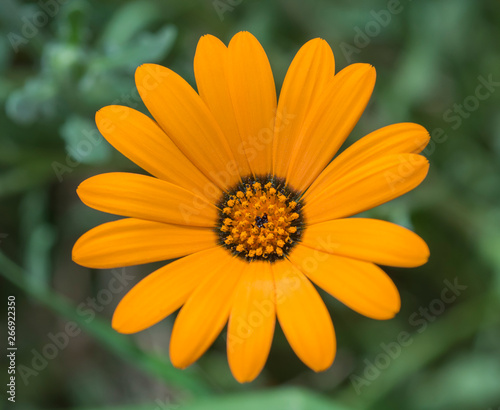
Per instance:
(186,381)
(432,343)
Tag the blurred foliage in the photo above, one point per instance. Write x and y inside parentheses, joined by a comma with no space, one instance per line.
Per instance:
(60,61)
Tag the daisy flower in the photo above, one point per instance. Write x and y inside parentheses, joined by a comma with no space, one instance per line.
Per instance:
(244,194)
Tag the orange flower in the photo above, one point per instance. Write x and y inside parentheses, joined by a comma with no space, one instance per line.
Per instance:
(244,194)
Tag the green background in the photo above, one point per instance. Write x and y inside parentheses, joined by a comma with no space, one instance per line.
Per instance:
(60,61)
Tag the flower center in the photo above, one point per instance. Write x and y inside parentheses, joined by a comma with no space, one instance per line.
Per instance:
(260,219)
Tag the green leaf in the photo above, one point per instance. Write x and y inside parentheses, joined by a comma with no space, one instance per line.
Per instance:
(144,48)
(282,399)
(83,141)
(291,398)
(25,176)
(39,237)
(73,24)
(473,379)
(33,102)
(128,21)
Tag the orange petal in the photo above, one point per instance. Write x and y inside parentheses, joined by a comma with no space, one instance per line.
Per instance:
(369,240)
(251,323)
(362,286)
(140,139)
(253,93)
(394,139)
(163,291)
(134,241)
(366,187)
(210,71)
(206,312)
(311,70)
(303,317)
(144,197)
(329,123)
(185,118)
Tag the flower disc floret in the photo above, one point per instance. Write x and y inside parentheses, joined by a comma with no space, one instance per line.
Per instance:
(260,219)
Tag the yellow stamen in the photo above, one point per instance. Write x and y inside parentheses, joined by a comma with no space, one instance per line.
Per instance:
(259,221)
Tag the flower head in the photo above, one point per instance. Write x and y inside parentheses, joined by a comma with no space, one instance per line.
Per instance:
(244,192)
